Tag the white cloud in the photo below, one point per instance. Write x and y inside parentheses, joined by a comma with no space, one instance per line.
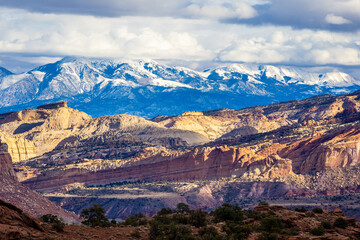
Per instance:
(300,47)
(339,20)
(336,55)
(174,39)
(236,10)
(343,15)
(90,36)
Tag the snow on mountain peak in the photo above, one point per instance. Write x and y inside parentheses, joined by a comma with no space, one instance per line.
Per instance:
(149,83)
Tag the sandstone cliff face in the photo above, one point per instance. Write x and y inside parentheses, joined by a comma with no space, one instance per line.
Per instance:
(330,150)
(6,168)
(214,127)
(265,143)
(20,149)
(201,163)
(31,132)
(16,193)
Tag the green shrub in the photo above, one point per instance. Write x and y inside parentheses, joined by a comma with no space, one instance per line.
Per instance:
(340,223)
(271,224)
(163,219)
(317,210)
(135,233)
(180,219)
(94,216)
(271,213)
(228,212)
(156,230)
(292,231)
(165,211)
(209,233)
(268,236)
(135,220)
(237,231)
(326,224)
(263,203)
(56,223)
(302,209)
(318,231)
(178,231)
(198,218)
(182,208)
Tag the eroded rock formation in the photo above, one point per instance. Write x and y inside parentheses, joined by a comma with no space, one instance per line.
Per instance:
(285,143)
(21,196)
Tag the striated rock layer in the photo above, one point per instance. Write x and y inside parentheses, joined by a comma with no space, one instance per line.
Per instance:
(21,196)
(297,144)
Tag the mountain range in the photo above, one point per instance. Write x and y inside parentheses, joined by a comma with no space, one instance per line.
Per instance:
(147,88)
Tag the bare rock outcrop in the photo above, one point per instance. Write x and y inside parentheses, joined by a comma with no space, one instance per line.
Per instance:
(6,168)
(15,224)
(335,149)
(201,163)
(21,196)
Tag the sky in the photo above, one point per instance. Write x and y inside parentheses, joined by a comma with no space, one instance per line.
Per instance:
(195,33)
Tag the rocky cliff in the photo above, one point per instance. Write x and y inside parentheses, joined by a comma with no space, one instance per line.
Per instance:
(21,196)
(6,168)
(290,143)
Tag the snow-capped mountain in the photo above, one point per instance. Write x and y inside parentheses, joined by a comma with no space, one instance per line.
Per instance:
(4,72)
(147,88)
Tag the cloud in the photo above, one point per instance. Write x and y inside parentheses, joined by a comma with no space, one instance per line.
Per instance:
(237,10)
(333,15)
(197,36)
(333,19)
(308,14)
(55,34)
(158,8)
(104,8)
(295,47)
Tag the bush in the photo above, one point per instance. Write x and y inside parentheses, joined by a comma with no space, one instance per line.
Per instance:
(228,212)
(302,209)
(182,208)
(135,220)
(209,233)
(95,216)
(292,231)
(263,203)
(156,230)
(178,231)
(159,231)
(135,233)
(180,219)
(319,231)
(198,218)
(340,223)
(271,224)
(56,223)
(326,224)
(165,211)
(317,210)
(268,236)
(163,219)
(237,231)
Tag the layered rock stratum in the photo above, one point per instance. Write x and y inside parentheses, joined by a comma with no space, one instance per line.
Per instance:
(31,202)
(296,148)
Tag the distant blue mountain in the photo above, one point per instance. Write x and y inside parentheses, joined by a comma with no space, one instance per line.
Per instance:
(4,72)
(147,88)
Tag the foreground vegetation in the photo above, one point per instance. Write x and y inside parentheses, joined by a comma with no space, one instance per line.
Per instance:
(227,222)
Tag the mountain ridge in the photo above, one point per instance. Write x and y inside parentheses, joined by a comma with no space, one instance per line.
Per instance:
(101,86)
